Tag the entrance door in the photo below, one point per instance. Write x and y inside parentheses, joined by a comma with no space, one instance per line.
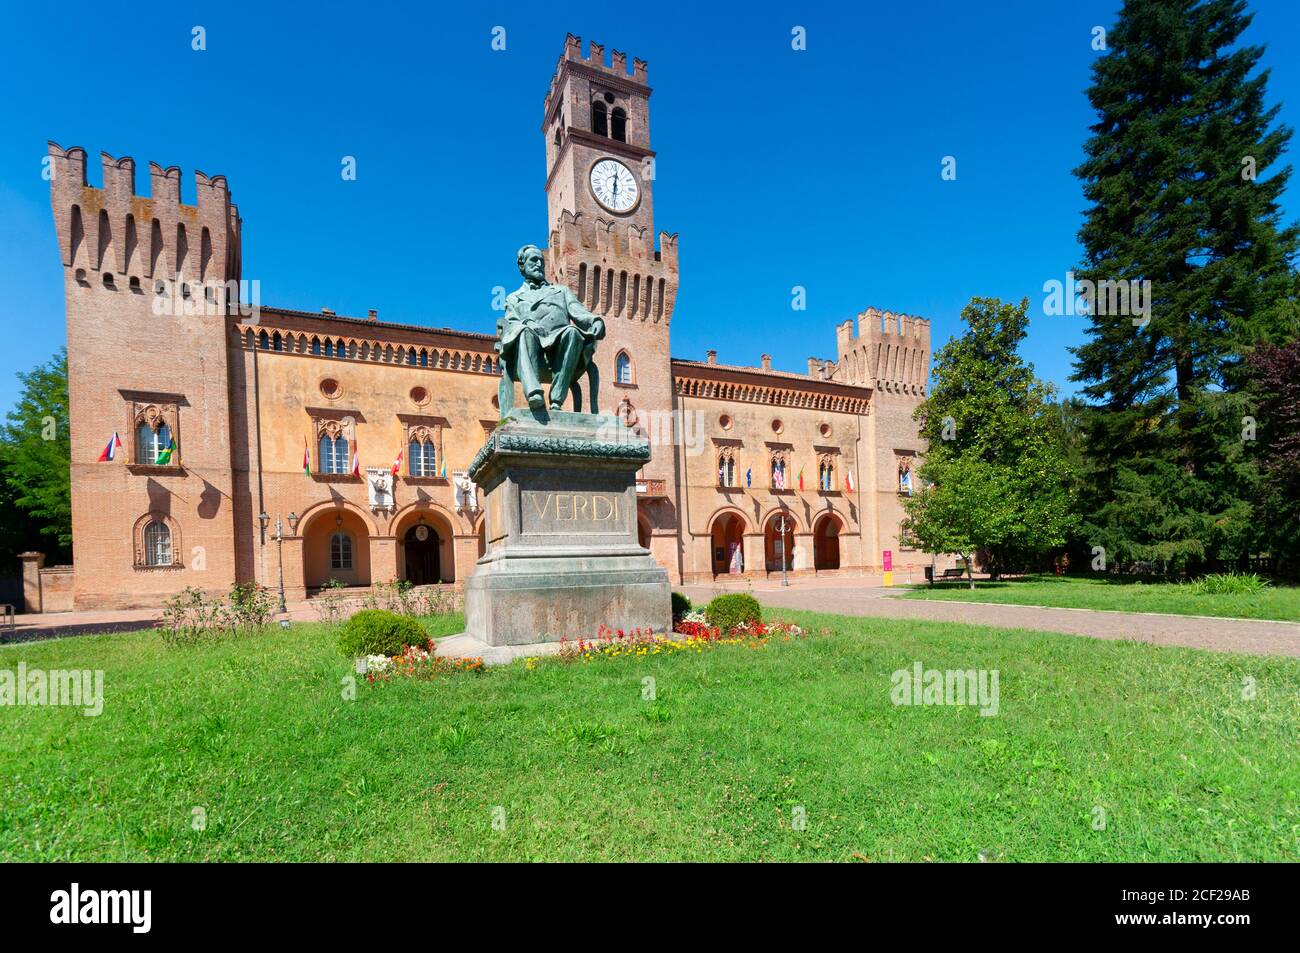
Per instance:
(422,547)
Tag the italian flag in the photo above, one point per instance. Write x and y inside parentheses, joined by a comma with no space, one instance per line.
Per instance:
(306,458)
(165,457)
(849,481)
(801,478)
(397,464)
(356,460)
(109,453)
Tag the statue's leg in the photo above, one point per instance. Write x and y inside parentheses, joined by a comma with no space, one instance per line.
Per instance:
(576,391)
(564,364)
(530,358)
(593,380)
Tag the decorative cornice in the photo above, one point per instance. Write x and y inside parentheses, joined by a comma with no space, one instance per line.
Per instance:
(508,443)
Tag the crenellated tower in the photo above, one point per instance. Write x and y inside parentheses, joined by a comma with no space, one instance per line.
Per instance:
(150,284)
(600,177)
(890,353)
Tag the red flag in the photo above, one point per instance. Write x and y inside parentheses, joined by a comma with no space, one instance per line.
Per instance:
(306,458)
(109,452)
(356,461)
(397,464)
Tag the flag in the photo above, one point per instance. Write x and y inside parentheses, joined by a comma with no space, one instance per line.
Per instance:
(169,451)
(397,464)
(110,452)
(356,461)
(801,478)
(444,468)
(749,476)
(849,481)
(306,458)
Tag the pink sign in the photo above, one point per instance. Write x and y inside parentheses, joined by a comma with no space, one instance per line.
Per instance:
(889,560)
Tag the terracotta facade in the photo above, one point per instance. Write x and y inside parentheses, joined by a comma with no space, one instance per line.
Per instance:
(165,348)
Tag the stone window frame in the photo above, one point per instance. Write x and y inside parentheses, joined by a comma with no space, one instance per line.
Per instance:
(829,456)
(779,452)
(152,410)
(140,559)
(727,452)
(624,354)
(428,429)
(332,421)
(905,462)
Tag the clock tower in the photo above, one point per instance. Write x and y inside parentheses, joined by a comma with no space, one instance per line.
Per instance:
(600,175)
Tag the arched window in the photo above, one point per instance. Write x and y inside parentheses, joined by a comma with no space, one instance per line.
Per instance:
(315,347)
(778,473)
(340,551)
(264,341)
(422,458)
(277,342)
(599,125)
(726,470)
(905,478)
(333,454)
(618,124)
(623,368)
(157,544)
(827,475)
(151,442)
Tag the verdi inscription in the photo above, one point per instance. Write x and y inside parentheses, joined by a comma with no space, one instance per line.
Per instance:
(556,511)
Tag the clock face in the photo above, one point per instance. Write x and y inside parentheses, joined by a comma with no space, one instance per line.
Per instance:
(614,185)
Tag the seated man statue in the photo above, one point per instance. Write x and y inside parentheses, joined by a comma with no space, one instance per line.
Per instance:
(546,333)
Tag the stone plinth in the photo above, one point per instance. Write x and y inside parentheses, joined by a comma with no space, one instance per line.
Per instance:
(562,552)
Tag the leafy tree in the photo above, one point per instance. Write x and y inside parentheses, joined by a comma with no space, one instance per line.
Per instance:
(995,477)
(35,456)
(1277,378)
(1183,179)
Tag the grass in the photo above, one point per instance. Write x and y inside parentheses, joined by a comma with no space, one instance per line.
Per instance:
(573,764)
(1123,595)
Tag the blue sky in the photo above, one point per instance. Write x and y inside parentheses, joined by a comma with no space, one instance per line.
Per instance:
(778,168)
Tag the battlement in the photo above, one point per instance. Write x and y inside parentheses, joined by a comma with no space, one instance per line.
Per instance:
(891,351)
(112,229)
(613,266)
(595,59)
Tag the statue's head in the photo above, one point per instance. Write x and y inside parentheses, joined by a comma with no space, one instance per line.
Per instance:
(532,264)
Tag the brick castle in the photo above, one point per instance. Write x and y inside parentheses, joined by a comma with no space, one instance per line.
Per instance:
(164,350)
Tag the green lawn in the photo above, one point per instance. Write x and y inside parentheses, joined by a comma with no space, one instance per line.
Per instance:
(257,734)
(1120,594)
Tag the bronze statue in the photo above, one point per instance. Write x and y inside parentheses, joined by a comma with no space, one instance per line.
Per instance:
(546,334)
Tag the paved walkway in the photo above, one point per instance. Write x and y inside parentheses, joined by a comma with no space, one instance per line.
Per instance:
(845,596)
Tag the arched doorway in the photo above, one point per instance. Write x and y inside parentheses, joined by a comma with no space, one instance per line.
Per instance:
(727,538)
(336,546)
(643,531)
(426,553)
(826,543)
(778,547)
(421,548)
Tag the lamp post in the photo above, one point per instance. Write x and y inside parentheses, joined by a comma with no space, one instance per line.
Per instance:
(279,540)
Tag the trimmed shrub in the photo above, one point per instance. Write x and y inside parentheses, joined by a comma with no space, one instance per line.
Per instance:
(728,611)
(681,605)
(376,632)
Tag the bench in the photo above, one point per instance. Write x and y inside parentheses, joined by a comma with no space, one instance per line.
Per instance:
(953,573)
(6,622)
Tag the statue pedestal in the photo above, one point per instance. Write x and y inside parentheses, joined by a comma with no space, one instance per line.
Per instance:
(562,553)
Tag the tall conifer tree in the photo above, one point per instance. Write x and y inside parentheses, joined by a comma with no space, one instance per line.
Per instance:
(1183,178)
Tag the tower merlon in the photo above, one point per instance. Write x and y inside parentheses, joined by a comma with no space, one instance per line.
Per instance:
(114,229)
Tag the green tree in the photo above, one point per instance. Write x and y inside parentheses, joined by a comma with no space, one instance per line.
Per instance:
(995,477)
(35,455)
(1182,176)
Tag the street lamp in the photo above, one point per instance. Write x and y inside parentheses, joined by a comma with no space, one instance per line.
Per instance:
(279,539)
(263,519)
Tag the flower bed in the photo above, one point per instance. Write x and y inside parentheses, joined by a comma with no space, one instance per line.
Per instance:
(417,661)
(689,635)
